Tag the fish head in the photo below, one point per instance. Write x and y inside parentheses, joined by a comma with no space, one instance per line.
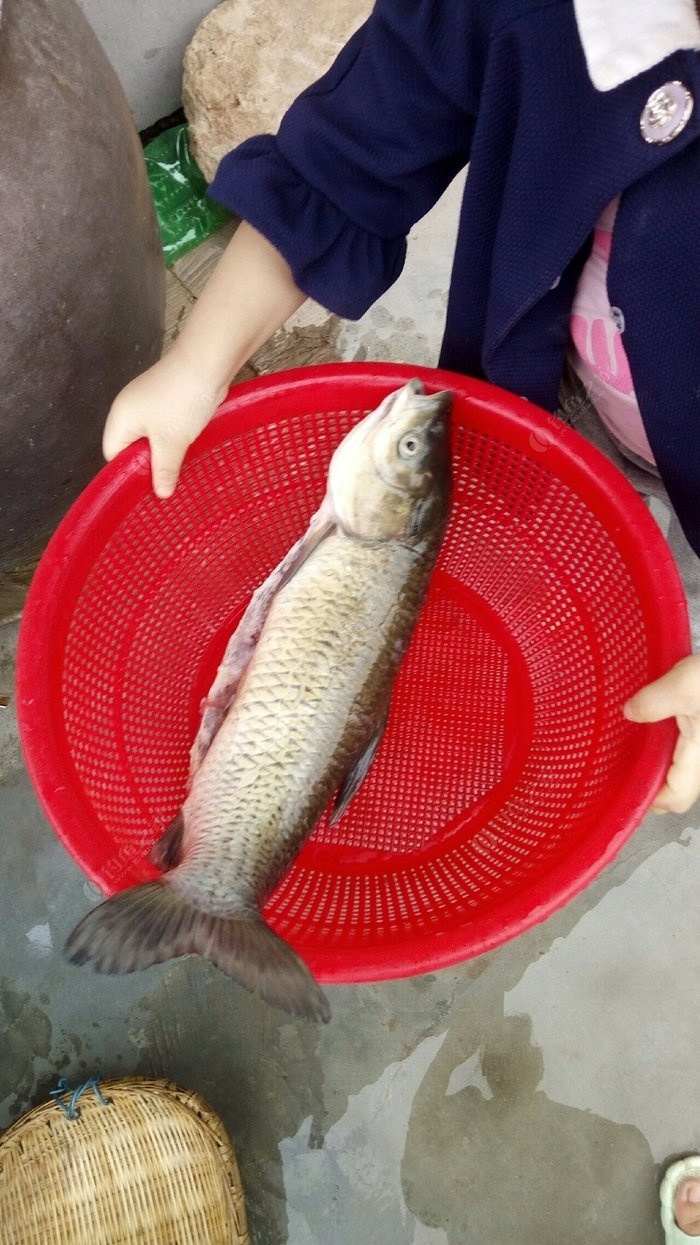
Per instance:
(389,479)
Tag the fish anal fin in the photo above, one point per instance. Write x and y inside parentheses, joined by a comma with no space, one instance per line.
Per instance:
(149,924)
(356,774)
(167,852)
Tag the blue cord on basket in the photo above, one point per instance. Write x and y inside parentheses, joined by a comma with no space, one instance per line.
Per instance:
(71,1109)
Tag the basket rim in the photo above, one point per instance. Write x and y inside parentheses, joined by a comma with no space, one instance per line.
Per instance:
(127,1086)
(493,410)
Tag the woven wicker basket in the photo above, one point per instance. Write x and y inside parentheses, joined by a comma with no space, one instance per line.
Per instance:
(155,1167)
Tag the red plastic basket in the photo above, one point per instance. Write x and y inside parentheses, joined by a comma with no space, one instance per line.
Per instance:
(507,777)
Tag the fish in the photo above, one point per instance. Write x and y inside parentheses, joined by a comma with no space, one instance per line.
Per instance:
(295,715)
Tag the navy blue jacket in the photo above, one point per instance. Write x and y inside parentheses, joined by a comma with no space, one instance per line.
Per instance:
(427,85)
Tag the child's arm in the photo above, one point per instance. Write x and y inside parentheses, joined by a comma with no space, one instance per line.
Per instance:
(250,294)
(359,158)
(676,694)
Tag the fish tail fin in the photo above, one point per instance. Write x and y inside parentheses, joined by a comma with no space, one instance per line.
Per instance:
(152,923)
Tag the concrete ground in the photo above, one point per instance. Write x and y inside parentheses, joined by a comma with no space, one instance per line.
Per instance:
(529,1097)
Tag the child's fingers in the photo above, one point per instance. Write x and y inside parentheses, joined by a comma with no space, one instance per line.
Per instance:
(677,692)
(167,454)
(682,786)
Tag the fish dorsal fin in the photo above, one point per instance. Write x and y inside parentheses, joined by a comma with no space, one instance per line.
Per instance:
(357,773)
(241,646)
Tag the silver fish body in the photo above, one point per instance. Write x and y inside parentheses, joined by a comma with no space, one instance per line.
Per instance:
(295,714)
(320,680)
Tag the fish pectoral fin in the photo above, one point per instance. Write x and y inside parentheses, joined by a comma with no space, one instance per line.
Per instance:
(166,853)
(149,924)
(356,774)
(241,646)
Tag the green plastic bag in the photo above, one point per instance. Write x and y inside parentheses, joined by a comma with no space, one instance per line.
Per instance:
(185,215)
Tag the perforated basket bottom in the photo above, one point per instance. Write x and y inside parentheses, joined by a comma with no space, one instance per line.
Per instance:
(506,752)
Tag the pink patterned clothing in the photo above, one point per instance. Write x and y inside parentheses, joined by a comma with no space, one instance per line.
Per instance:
(596,352)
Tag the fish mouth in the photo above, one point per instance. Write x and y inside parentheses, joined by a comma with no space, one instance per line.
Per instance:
(431,409)
(443,402)
(439,403)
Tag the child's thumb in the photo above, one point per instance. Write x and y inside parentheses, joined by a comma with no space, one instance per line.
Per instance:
(676,692)
(166,461)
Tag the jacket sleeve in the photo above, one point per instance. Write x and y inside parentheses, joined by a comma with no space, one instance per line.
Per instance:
(364,152)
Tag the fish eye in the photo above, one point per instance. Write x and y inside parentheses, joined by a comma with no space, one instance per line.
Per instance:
(410,444)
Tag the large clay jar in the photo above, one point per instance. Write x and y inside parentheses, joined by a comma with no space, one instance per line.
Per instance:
(81,273)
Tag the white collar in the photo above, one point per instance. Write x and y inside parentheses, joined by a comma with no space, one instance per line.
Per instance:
(622,38)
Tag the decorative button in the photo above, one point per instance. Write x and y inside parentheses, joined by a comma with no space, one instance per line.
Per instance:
(666,113)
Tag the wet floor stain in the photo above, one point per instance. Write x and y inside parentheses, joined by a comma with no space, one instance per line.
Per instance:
(613,1006)
(513,1168)
(25,1042)
(287,1088)
(351,1189)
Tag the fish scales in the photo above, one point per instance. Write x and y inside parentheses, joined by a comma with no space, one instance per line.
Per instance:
(324,665)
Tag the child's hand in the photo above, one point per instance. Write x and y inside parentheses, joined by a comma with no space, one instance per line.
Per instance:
(675,695)
(170,404)
(248,297)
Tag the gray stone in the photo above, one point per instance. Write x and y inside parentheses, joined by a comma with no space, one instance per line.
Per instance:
(81,268)
(249,59)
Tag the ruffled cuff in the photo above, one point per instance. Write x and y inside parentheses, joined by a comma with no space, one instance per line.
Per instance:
(334,261)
